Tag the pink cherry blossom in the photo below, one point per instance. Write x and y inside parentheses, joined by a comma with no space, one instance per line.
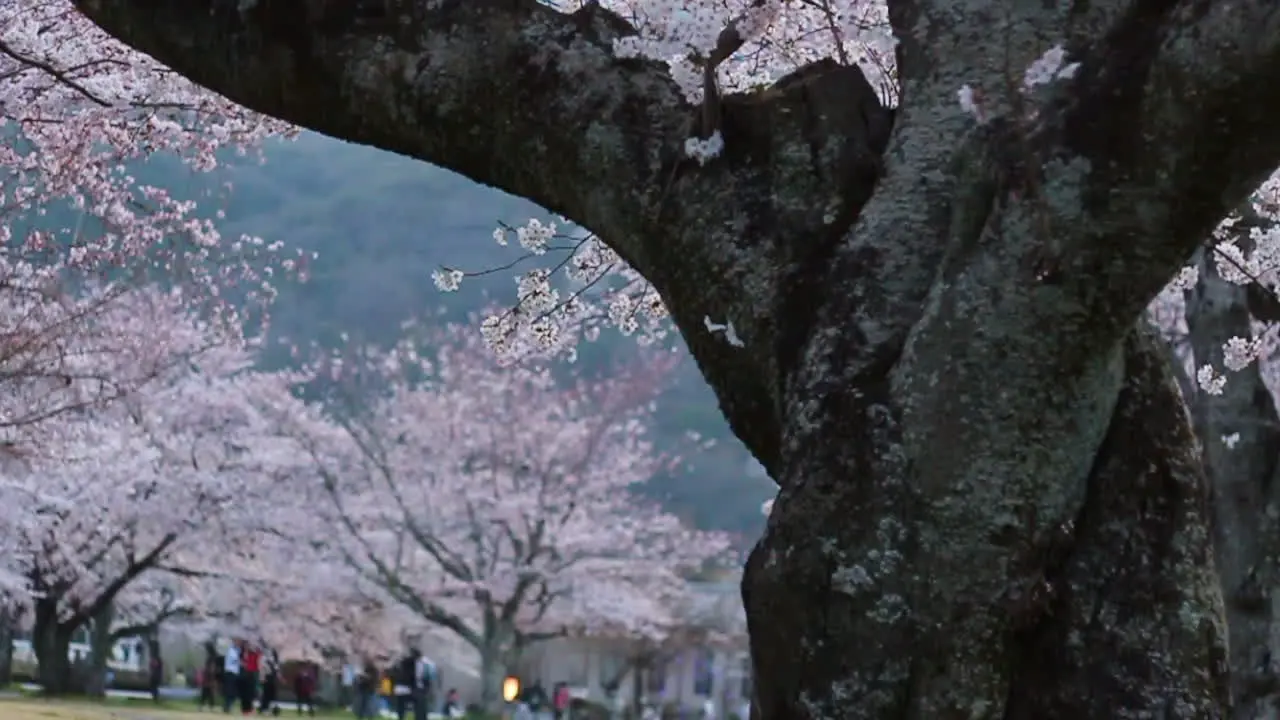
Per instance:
(492,501)
(115,489)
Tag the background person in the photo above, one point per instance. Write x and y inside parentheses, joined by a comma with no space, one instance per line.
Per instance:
(452,705)
(270,683)
(304,685)
(231,675)
(206,679)
(250,664)
(366,691)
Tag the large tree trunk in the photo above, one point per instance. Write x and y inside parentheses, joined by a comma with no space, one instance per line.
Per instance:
(1112,610)
(1239,431)
(991,503)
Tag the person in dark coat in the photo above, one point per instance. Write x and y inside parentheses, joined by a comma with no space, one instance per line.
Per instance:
(304,688)
(366,691)
(407,684)
(155,676)
(270,684)
(208,679)
(535,696)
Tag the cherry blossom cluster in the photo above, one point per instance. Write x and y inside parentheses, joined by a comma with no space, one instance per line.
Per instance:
(303,604)
(781,35)
(553,314)
(73,352)
(151,479)
(78,110)
(79,233)
(1245,251)
(471,488)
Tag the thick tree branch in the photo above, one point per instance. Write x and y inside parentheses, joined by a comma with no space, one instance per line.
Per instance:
(1198,86)
(135,568)
(508,92)
(152,625)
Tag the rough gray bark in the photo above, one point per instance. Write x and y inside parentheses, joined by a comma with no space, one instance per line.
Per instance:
(493,670)
(101,639)
(991,503)
(51,641)
(1240,435)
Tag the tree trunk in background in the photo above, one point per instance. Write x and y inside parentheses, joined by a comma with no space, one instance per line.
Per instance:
(10,617)
(643,666)
(101,642)
(1240,438)
(51,641)
(493,671)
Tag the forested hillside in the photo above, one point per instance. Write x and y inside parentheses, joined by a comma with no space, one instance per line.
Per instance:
(380,224)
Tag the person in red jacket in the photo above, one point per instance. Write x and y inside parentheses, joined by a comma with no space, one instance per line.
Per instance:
(560,699)
(250,663)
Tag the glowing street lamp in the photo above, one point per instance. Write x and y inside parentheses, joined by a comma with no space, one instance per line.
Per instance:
(510,688)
